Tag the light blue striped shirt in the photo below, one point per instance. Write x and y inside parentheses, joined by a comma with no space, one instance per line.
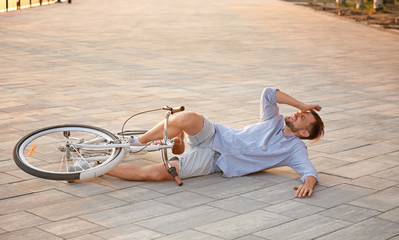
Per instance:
(261,146)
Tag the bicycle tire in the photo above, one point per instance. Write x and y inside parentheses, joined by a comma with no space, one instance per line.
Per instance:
(41,151)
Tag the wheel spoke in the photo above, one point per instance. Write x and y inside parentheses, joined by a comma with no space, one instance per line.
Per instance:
(48,152)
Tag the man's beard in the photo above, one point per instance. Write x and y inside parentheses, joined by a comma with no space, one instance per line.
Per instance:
(290,125)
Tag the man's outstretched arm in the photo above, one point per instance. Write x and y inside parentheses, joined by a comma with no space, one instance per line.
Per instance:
(284,98)
(306,188)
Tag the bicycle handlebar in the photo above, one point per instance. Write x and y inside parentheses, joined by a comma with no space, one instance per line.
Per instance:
(173,110)
(179,181)
(173,172)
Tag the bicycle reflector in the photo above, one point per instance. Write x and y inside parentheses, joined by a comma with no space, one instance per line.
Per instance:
(32,150)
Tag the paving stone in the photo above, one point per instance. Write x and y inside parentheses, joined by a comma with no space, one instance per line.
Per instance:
(309,227)
(238,204)
(390,174)
(185,199)
(324,163)
(251,237)
(68,209)
(392,215)
(374,149)
(70,227)
(349,156)
(33,200)
(85,188)
(29,233)
(372,228)
(388,158)
(339,146)
(19,173)
(4,157)
(8,191)
(116,183)
(7,166)
(394,153)
(274,194)
(232,187)
(243,224)
(168,187)
(198,182)
(334,196)
(382,201)
(7,146)
(130,213)
(189,234)
(374,182)
(38,185)
(135,194)
(350,213)
(352,131)
(214,57)
(330,180)
(375,137)
(358,169)
(129,231)
(185,219)
(5,178)
(20,220)
(86,237)
(294,209)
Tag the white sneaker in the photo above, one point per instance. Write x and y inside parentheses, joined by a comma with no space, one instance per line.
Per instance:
(134,141)
(80,165)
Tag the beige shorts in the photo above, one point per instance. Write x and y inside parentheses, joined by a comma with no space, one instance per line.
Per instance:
(199,160)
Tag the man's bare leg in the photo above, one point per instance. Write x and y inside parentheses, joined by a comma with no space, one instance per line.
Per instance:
(133,172)
(190,123)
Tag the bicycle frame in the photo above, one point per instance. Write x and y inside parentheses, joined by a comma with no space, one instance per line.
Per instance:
(171,170)
(133,149)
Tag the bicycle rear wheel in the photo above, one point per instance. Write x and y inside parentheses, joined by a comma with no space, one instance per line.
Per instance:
(50,152)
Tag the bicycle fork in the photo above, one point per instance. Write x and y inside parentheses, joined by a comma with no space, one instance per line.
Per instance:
(171,169)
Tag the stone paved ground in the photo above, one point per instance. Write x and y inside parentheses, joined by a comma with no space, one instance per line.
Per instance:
(96,62)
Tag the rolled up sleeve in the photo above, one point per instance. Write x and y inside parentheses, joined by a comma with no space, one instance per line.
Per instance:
(268,106)
(300,162)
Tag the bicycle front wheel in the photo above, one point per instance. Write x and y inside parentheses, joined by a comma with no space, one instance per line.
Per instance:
(51,152)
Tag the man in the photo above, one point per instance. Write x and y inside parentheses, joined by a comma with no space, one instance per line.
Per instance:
(273,142)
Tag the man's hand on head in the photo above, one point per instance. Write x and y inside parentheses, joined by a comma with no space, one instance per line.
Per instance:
(309,106)
(284,98)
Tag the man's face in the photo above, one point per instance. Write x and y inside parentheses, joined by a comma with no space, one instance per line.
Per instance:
(299,121)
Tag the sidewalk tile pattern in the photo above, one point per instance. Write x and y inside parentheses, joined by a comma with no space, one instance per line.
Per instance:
(97,62)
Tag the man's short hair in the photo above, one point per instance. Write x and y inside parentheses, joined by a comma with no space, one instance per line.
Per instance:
(315,129)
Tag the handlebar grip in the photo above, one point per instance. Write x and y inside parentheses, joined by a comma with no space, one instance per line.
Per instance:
(178,180)
(172,171)
(177,109)
(173,110)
